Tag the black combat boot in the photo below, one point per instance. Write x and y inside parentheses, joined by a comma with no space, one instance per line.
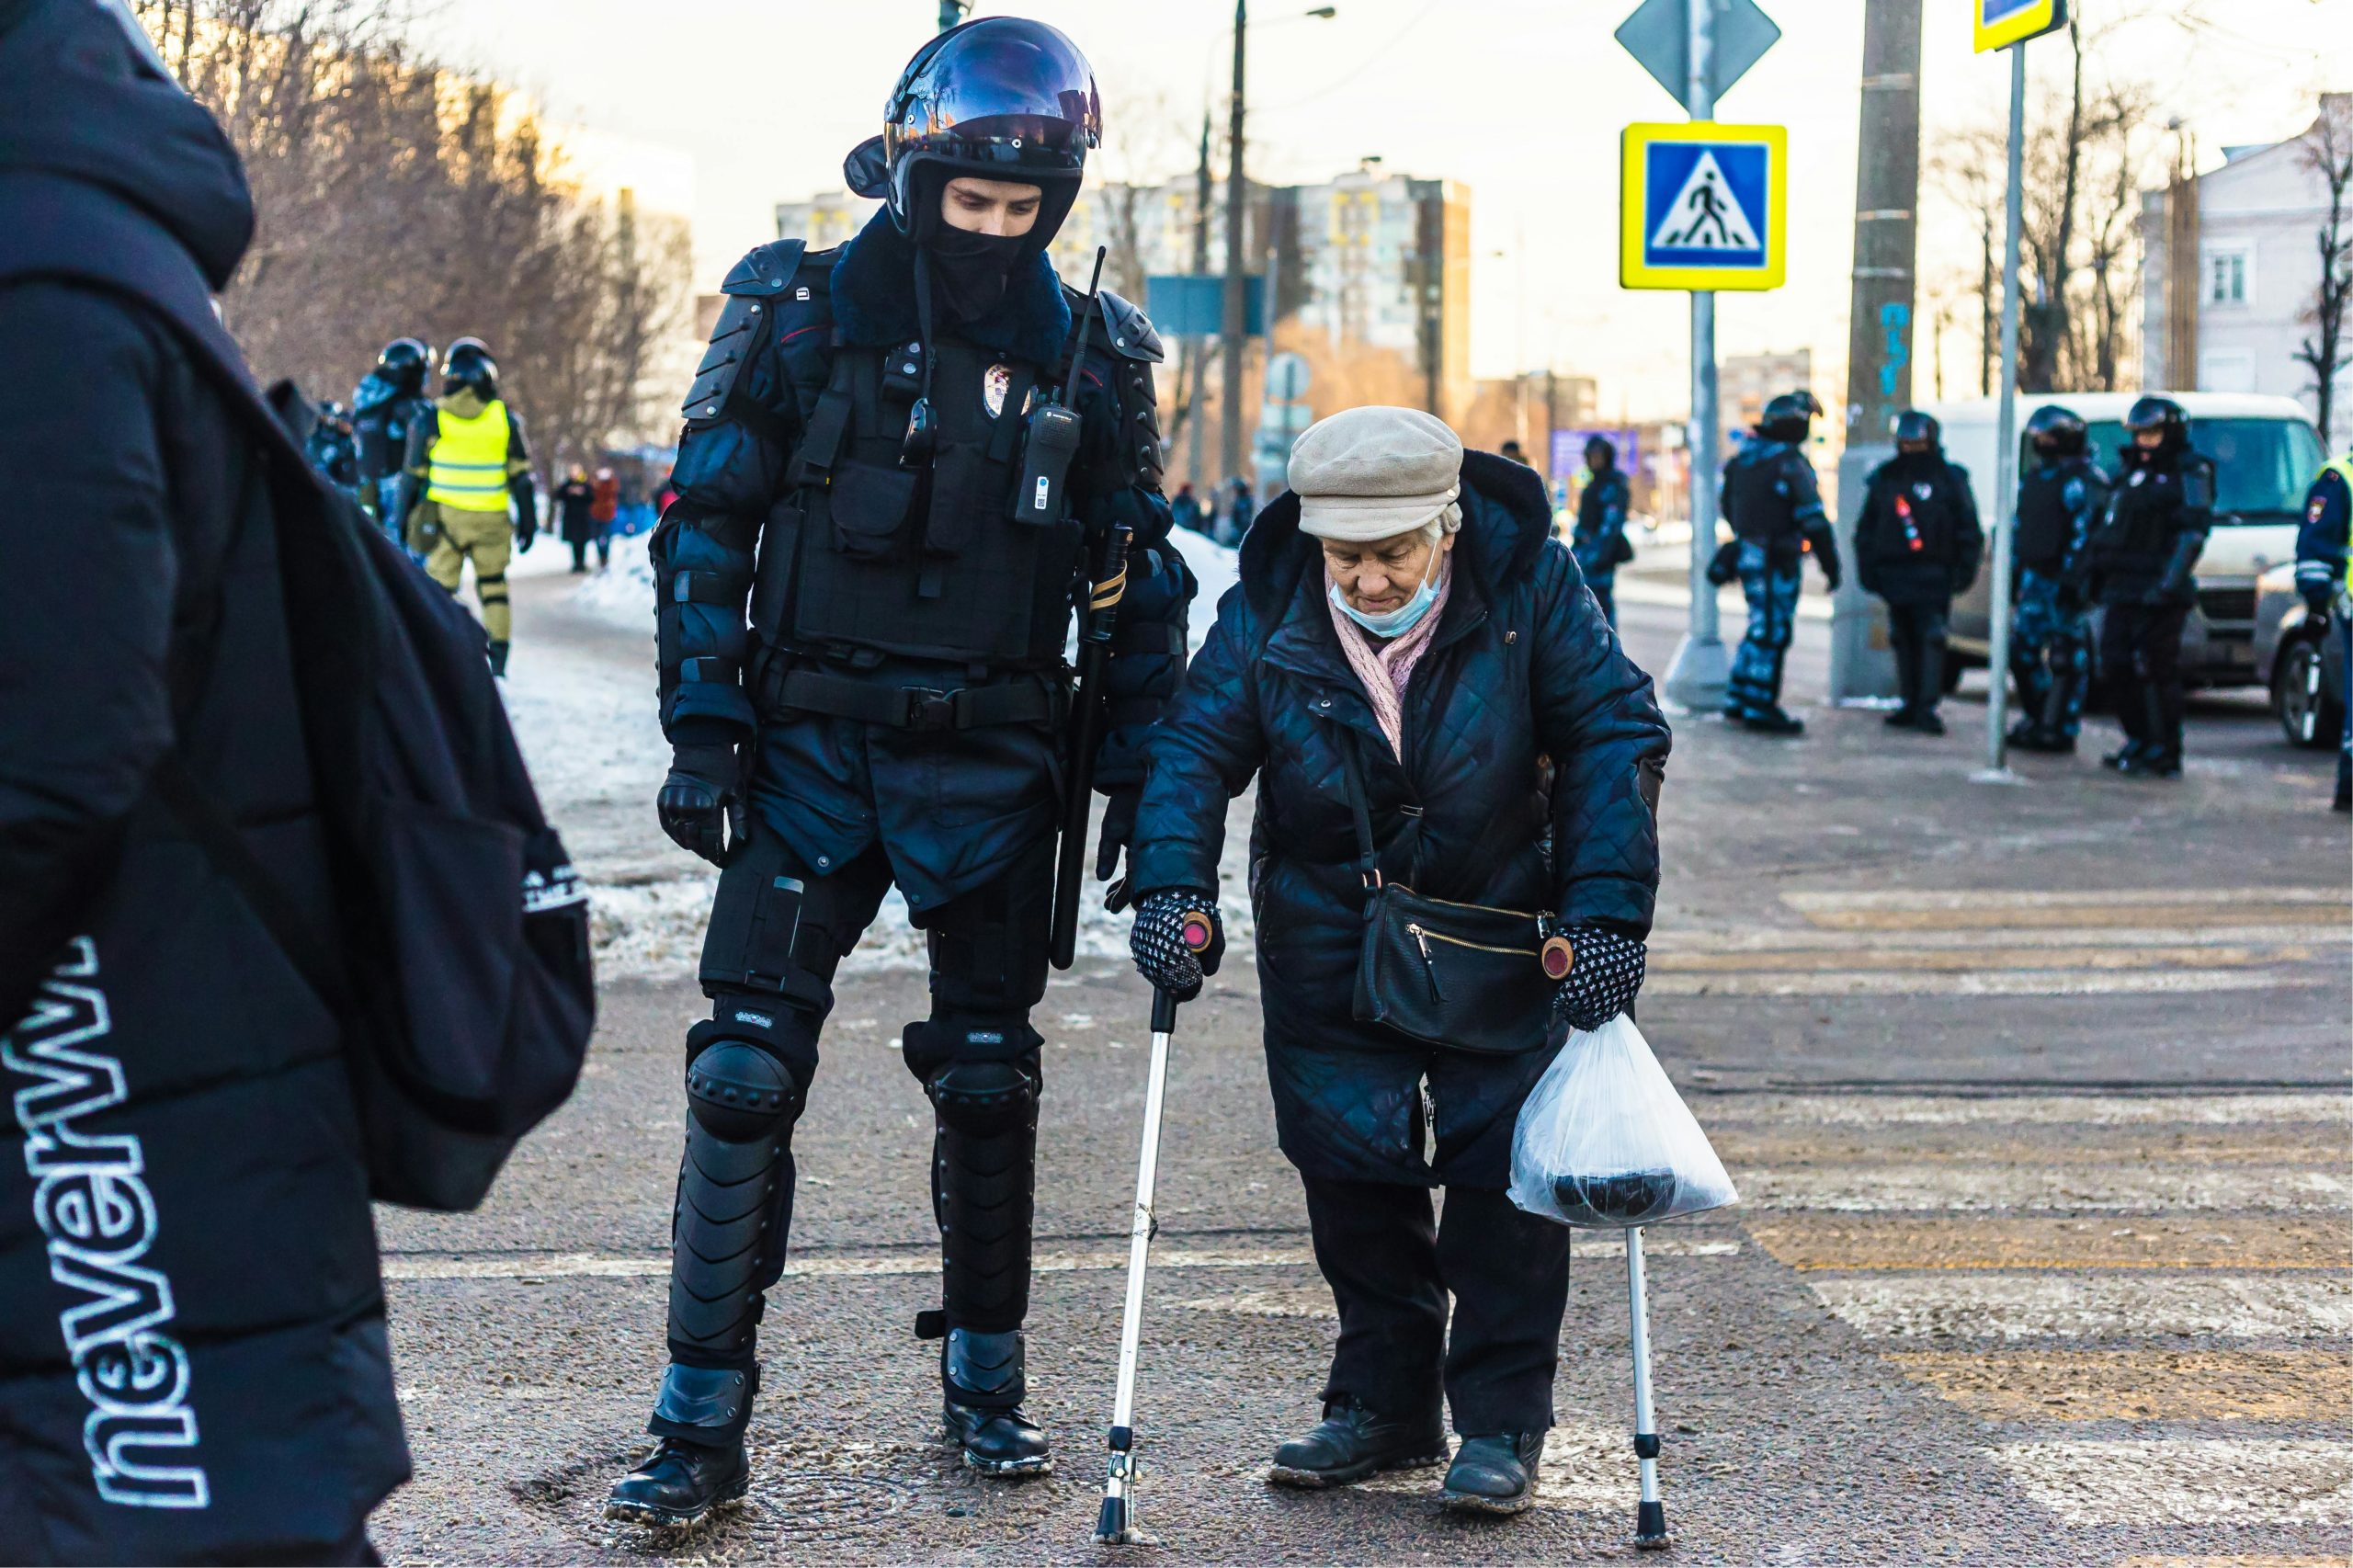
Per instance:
(2123,755)
(996,1435)
(1928,722)
(681,1484)
(1773,720)
(2344,800)
(1496,1474)
(498,658)
(1351,1443)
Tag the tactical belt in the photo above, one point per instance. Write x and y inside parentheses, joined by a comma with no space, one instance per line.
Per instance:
(922,708)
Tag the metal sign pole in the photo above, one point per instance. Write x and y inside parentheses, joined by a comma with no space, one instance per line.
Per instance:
(1701,671)
(1998,663)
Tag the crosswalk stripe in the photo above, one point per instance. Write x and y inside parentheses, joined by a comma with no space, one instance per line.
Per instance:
(1686,939)
(2102,1188)
(2048,983)
(1970,900)
(2014,1307)
(2242,1242)
(1799,960)
(2191,1481)
(2038,1110)
(2308,1387)
(2318,1146)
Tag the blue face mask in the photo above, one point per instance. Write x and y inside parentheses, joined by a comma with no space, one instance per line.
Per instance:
(1406,617)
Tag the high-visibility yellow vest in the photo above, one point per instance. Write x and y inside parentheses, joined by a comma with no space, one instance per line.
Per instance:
(469,460)
(2343,468)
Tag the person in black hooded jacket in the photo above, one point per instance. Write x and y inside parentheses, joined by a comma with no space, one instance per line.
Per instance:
(1916,544)
(193,1364)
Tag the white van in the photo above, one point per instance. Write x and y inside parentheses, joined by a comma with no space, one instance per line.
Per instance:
(2266,454)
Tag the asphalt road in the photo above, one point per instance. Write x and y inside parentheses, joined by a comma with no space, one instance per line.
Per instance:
(2036,1094)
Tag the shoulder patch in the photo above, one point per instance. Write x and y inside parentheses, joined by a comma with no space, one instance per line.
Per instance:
(1128,330)
(767,270)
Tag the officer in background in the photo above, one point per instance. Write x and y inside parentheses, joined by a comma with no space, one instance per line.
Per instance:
(2143,559)
(1916,544)
(467,457)
(2060,501)
(876,454)
(1599,540)
(1775,508)
(330,447)
(384,407)
(2325,577)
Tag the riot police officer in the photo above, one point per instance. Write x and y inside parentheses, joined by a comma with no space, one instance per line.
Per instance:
(467,462)
(1771,500)
(1598,541)
(385,406)
(329,446)
(1916,544)
(880,452)
(2144,558)
(2060,500)
(2325,577)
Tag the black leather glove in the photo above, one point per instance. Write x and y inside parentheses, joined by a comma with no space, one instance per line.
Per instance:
(702,799)
(2318,598)
(1603,978)
(1724,567)
(1157,939)
(527,511)
(1119,833)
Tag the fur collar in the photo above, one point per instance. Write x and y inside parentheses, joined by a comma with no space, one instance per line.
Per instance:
(874,299)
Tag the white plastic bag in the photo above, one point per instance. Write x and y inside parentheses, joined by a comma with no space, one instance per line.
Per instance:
(1604,1140)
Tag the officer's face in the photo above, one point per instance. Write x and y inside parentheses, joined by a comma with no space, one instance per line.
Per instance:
(1382,576)
(2150,439)
(990,207)
(1913,447)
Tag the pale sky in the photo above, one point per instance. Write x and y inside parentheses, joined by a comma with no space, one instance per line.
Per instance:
(1521,100)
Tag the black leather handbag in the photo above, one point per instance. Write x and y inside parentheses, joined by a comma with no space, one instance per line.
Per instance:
(1467,976)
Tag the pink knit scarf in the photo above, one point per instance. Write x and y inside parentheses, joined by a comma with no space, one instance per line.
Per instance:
(1385,667)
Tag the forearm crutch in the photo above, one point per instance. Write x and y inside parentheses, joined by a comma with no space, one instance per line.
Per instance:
(1650,1513)
(1116,1525)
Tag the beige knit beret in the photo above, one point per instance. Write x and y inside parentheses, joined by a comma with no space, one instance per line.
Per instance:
(1372,473)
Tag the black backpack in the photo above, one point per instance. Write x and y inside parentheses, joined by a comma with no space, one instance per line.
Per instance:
(460,966)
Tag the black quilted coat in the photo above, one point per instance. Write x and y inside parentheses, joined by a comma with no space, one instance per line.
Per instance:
(1523,668)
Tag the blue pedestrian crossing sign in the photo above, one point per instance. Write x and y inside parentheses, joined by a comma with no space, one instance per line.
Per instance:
(1704,206)
(2001,23)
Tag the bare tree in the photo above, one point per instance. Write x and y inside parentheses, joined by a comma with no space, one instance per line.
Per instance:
(2328,152)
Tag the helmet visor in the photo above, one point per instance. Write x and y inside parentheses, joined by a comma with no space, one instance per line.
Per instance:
(1017,94)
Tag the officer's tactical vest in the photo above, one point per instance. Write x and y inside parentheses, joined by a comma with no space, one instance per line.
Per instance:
(2343,469)
(1757,501)
(469,460)
(927,561)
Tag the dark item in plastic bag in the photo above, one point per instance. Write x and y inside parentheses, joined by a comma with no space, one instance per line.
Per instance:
(1631,1198)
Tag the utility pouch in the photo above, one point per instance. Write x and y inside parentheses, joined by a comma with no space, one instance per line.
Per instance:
(772,577)
(1045,463)
(868,506)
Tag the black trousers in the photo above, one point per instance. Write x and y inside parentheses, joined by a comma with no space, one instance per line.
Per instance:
(988,951)
(2139,652)
(1916,631)
(1391,1270)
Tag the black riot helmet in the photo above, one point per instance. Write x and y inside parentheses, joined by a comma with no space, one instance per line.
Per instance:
(2056,432)
(2163,416)
(1790,417)
(404,365)
(1002,98)
(1914,425)
(469,367)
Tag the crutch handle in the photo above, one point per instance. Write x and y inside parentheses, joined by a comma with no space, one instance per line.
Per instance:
(1164,1012)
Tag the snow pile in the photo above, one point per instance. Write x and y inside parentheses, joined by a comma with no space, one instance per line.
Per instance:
(623,594)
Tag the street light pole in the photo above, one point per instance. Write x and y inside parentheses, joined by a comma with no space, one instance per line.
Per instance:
(1238,211)
(1997,661)
(1701,671)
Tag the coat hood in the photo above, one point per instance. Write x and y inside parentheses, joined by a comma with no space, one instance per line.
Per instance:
(873,293)
(77,99)
(1506,517)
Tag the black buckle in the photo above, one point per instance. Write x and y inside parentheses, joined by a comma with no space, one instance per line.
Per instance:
(928,711)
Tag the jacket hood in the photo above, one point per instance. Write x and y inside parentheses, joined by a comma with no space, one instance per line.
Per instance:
(78,100)
(1507,518)
(873,293)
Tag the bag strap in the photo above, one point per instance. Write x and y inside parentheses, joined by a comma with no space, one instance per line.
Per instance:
(1352,774)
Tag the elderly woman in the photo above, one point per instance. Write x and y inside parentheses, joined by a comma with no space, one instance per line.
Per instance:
(1407,633)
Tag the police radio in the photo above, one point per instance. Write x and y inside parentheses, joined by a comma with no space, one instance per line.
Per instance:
(1054,430)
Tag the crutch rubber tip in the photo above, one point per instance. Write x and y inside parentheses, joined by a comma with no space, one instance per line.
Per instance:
(1111,1524)
(1650,1527)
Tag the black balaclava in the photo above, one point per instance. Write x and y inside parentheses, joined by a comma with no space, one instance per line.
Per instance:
(971,270)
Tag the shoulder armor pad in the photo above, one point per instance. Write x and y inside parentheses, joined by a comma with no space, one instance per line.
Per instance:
(1128,331)
(767,270)
(744,320)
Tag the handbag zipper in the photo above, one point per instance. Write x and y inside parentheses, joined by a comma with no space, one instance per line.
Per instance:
(1482,947)
(1482,908)
(1429,967)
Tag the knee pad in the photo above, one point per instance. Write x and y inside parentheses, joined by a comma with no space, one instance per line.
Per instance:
(983,1098)
(748,1071)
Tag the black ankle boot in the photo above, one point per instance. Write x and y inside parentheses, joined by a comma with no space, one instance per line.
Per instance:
(1496,1474)
(1351,1443)
(997,1437)
(498,658)
(681,1484)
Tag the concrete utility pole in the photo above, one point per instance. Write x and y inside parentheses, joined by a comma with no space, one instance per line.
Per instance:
(1701,669)
(1880,334)
(1197,346)
(1237,216)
